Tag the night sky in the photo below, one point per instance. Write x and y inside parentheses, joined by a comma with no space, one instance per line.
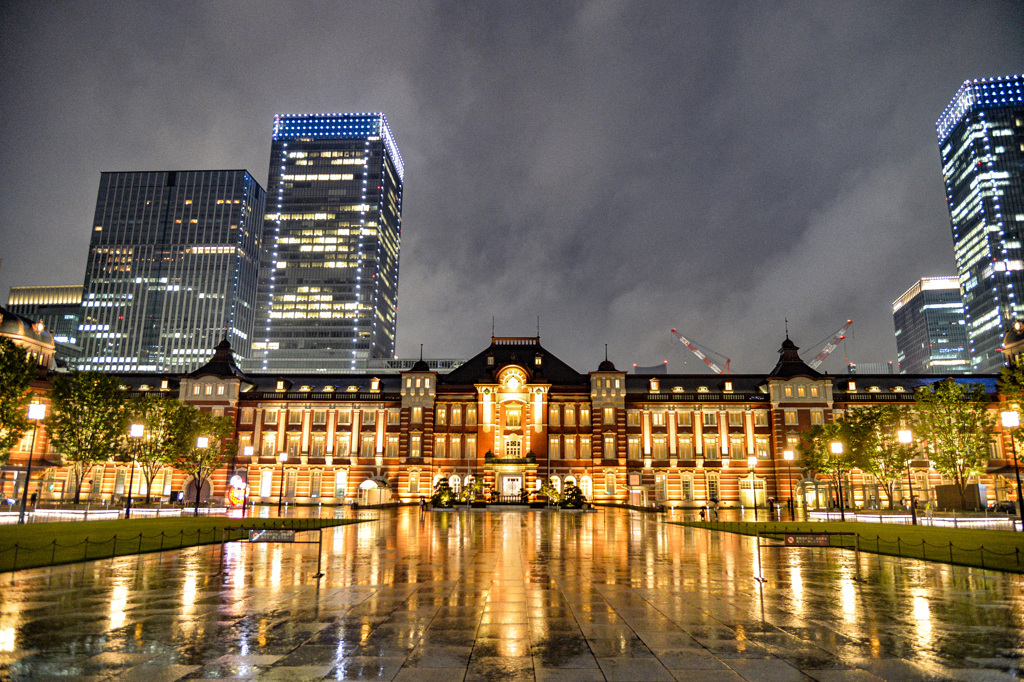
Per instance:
(615,168)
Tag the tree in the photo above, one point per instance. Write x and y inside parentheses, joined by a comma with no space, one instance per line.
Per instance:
(816,449)
(955,422)
(572,497)
(17,369)
(87,420)
(884,456)
(152,452)
(186,426)
(549,491)
(443,495)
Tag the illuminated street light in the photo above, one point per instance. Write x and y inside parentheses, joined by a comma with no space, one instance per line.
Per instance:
(789,456)
(36,412)
(135,433)
(906,438)
(837,449)
(1011,420)
(283,457)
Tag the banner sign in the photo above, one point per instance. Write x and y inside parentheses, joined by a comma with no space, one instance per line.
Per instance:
(807,540)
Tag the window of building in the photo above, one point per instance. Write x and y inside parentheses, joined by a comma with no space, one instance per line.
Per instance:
(456,415)
(319,417)
(414,482)
(341,445)
(441,415)
(683,418)
(814,391)
(514,447)
(513,416)
(632,418)
(553,415)
(609,483)
(609,446)
(366,446)
(659,449)
(316,448)
(714,494)
(685,447)
(686,488)
(344,417)
(711,450)
(416,416)
(294,445)
(735,419)
(392,446)
(394,417)
(791,418)
(455,447)
(793,443)
(471,415)
(585,447)
(660,487)
(817,417)
(315,480)
(760,418)
(570,415)
(471,446)
(801,391)
(609,415)
(710,418)
(294,417)
(633,447)
(269,446)
(270,417)
(340,483)
(569,449)
(657,418)
(439,446)
(788,391)
(369,416)
(209,389)
(584,415)
(266,479)
(414,445)
(220,390)
(247,414)
(761,447)
(736,447)
(553,447)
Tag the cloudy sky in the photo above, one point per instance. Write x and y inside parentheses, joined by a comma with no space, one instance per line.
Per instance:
(615,168)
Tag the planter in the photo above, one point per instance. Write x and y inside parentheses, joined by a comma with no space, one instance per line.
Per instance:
(538,505)
(478,505)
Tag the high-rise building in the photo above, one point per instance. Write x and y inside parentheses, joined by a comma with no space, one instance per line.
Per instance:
(329,276)
(981,139)
(931,334)
(58,307)
(173,266)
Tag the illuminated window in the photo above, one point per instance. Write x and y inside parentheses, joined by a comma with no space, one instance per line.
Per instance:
(761,447)
(814,391)
(710,418)
(369,416)
(683,418)
(342,444)
(456,415)
(553,443)
(345,417)
(686,488)
(584,415)
(791,418)
(736,447)
(655,386)
(569,448)
(513,416)
(394,416)
(570,415)
(657,418)
(817,417)
(633,447)
(659,449)
(584,447)
(788,391)
(316,448)
(711,450)
(220,390)
(441,415)
(294,416)
(247,414)
(270,417)
(760,418)
(713,491)
(609,483)
(417,415)
(455,447)
(609,446)
(685,447)
(609,415)
(553,415)
(392,446)
(366,446)
(735,419)
(471,415)
(801,392)
(319,417)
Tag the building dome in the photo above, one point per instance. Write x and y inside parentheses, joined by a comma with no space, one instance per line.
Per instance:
(28,334)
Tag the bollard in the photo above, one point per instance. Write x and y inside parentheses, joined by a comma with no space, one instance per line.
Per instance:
(899,550)
(982,550)
(950,550)
(86,555)
(139,551)
(161,541)
(113,549)
(53,552)
(181,539)
(14,566)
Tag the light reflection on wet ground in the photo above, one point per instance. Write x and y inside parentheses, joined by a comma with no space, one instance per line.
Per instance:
(535,595)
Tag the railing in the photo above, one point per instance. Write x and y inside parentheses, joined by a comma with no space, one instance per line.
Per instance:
(718,397)
(923,519)
(335,396)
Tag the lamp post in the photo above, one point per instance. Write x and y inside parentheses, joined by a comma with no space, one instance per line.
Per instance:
(837,449)
(752,463)
(282,457)
(36,411)
(906,437)
(789,456)
(1011,420)
(135,433)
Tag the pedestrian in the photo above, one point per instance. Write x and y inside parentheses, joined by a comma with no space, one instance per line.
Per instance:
(716,510)
(702,514)
(33,497)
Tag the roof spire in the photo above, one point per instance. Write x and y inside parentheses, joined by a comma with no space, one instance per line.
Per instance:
(421,352)
(787,327)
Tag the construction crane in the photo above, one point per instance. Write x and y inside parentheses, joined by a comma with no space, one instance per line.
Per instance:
(696,351)
(833,343)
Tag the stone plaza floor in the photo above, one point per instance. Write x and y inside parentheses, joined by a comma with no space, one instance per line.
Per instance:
(511,595)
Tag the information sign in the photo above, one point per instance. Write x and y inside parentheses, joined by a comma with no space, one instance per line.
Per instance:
(272,535)
(807,540)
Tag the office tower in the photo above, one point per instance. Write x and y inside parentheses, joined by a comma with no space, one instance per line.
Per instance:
(58,307)
(329,275)
(981,139)
(172,269)
(931,335)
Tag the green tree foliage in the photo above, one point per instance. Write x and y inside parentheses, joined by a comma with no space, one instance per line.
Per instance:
(443,496)
(549,491)
(152,452)
(87,421)
(572,497)
(955,422)
(17,369)
(883,455)
(472,491)
(816,449)
(186,425)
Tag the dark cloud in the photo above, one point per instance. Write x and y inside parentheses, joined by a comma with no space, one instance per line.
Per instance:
(616,168)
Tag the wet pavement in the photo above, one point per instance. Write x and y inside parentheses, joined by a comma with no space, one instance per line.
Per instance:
(512,595)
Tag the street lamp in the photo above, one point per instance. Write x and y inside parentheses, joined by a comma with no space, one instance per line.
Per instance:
(135,432)
(837,449)
(1011,420)
(906,438)
(752,462)
(789,456)
(36,412)
(282,457)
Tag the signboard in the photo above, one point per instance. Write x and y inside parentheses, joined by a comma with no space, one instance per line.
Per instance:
(807,540)
(272,535)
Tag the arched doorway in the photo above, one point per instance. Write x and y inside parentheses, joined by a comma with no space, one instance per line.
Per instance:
(190,492)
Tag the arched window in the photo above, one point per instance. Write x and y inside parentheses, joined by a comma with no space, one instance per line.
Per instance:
(556,483)
(455,483)
(587,486)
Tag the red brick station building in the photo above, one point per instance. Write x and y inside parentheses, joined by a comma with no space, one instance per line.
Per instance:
(514,415)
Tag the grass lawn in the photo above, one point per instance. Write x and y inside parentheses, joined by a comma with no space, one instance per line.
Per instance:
(44,544)
(997,549)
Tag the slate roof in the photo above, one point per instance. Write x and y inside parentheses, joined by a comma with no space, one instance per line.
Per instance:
(514,351)
(790,365)
(222,364)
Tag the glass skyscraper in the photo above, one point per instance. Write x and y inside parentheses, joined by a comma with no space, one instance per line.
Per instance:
(931,336)
(981,139)
(172,269)
(329,275)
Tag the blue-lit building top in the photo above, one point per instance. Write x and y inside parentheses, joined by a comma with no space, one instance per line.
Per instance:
(981,141)
(329,272)
(172,269)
